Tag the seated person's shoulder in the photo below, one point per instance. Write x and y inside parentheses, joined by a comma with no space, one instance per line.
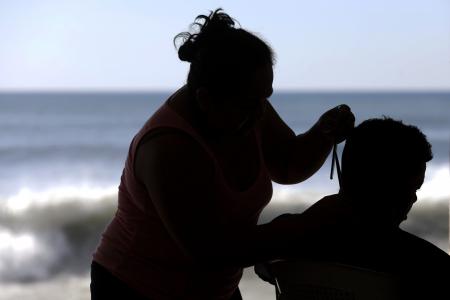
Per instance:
(426,268)
(421,246)
(424,258)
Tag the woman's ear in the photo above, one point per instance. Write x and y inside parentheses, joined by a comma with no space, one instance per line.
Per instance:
(203,99)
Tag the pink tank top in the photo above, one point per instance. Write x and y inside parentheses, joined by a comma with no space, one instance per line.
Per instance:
(137,248)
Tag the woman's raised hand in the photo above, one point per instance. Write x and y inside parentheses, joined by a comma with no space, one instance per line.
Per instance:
(337,123)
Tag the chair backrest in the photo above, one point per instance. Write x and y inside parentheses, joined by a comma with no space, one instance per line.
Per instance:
(311,280)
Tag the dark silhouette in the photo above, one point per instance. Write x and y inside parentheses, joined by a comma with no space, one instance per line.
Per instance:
(200,171)
(383,165)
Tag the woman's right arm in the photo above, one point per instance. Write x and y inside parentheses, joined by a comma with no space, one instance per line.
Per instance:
(178,175)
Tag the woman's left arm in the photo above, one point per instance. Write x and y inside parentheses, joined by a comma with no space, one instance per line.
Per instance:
(293,158)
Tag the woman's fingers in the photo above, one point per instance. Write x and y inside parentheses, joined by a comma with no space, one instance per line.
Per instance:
(337,122)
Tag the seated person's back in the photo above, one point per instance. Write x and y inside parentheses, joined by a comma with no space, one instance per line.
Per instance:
(383,165)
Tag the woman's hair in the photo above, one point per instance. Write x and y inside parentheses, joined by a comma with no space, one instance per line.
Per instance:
(222,57)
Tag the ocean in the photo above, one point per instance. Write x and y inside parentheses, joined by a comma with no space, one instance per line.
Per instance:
(62,154)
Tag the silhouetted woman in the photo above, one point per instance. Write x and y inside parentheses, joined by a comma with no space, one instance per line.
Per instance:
(200,171)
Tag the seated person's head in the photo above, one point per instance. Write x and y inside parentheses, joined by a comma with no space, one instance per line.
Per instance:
(383,165)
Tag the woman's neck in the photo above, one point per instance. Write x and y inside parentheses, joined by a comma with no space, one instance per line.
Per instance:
(184,103)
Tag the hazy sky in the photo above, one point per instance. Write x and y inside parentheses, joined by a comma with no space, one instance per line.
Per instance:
(346,44)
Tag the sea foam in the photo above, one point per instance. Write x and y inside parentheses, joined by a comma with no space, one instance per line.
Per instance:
(53,231)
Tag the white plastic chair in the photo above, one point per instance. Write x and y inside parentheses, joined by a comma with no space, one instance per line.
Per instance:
(311,280)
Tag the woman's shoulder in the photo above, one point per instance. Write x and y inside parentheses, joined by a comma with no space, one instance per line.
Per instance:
(170,149)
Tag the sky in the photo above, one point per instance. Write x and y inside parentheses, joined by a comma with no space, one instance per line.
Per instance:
(320,45)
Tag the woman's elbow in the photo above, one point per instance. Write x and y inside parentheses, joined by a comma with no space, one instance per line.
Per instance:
(287,177)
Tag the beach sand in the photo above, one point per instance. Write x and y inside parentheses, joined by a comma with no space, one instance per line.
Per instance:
(71,287)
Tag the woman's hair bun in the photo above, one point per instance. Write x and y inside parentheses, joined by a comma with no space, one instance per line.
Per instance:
(222,56)
(186,52)
(204,27)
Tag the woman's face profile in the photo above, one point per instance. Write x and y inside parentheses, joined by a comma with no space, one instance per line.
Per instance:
(238,112)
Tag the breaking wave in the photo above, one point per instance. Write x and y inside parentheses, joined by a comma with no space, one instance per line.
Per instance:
(45,233)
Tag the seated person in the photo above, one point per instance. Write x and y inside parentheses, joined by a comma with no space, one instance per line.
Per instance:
(383,165)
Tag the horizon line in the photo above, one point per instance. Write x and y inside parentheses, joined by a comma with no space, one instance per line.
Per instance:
(169,90)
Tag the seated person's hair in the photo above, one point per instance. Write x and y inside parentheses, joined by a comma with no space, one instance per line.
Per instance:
(384,159)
